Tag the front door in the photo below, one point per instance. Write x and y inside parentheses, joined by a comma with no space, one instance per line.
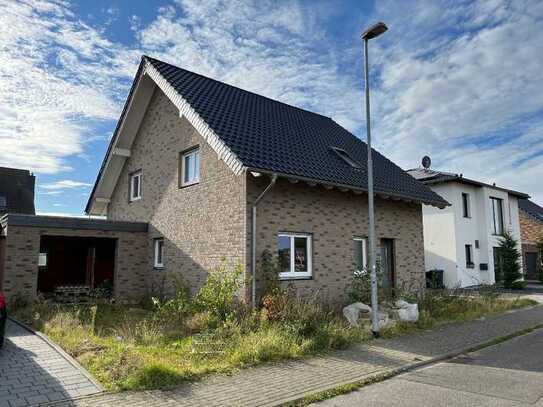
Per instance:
(387,263)
(531,266)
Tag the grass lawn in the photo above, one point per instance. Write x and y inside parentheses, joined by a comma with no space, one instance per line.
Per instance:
(133,349)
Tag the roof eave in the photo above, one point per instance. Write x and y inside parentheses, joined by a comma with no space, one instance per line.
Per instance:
(357,190)
(468,181)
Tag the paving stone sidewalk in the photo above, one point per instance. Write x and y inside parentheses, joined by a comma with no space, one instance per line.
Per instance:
(33,372)
(275,384)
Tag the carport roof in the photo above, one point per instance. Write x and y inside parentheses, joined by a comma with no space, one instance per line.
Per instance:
(59,222)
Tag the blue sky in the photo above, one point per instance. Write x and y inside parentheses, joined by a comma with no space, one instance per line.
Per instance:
(461,81)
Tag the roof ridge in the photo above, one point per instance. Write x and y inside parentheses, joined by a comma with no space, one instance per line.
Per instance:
(237,87)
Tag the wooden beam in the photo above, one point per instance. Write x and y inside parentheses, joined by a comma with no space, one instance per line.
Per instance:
(122,152)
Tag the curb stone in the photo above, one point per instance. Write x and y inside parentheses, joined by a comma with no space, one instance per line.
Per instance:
(385,374)
(65,355)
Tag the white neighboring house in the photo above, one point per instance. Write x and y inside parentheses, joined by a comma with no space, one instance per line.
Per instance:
(463,238)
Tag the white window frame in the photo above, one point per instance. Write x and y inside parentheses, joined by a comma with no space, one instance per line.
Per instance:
(289,275)
(42,259)
(156,248)
(364,253)
(496,217)
(192,153)
(466,210)
(133,176)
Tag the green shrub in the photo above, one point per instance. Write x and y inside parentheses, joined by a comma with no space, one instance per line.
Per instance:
(509,259)
(176,308)
(518,285)
(219,293)
(268,271)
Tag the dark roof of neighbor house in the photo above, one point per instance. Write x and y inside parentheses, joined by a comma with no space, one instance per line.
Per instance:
(531,208)
(274,137)
(65,222)
(429,177)
(16,191)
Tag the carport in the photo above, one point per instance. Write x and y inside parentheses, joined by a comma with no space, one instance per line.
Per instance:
(43,253)
(75,261)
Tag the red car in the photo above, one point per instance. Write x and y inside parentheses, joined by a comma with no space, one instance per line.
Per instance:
(3,317)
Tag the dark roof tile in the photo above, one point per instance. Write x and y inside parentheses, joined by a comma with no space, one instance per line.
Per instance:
(272,136)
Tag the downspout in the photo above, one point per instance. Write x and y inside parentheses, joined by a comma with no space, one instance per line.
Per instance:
(253,237)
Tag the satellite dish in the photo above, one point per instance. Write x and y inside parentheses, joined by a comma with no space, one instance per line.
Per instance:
(426,162)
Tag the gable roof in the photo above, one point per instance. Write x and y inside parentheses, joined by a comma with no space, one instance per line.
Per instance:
(255,133)
(531,208)
(16,191)
(429,177)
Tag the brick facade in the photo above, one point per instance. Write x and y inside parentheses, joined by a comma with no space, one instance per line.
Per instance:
(204,223)
(531,232)
(333,218)
(201,224)
(22,245)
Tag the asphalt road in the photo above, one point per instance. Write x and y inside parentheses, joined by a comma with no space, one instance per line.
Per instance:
(508,374)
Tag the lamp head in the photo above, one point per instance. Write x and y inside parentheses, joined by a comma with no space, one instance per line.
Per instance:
(374,31)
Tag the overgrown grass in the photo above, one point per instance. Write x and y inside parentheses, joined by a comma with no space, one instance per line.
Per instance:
(180,339)
(128,349)
(442,306)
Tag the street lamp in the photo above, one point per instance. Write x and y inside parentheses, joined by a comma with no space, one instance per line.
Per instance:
(373,32)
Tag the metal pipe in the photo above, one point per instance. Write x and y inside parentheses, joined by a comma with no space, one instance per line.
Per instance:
(253,238)
(371,214)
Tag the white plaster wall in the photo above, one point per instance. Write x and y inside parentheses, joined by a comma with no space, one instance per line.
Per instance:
(468,230)
(439,237)
(446,232)
(510,223)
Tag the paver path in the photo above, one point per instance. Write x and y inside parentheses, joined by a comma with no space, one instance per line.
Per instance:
(33,372)
(274,384)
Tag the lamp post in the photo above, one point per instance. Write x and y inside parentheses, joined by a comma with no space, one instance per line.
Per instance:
(373,32)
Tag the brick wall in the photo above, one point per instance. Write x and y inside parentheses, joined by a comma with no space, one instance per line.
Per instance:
(23,247)
(200,224)
(333,218)
(531,231)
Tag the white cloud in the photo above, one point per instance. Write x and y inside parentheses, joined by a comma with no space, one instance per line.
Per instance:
(57,76)
(265,47)
(64,184)
(458,80)
(466,87)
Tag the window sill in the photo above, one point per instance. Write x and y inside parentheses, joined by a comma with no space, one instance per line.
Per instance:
(470,266)
(134,199)
(158,268)
(189,185)
(290,278)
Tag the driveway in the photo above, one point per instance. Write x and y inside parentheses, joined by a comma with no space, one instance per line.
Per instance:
(509,374)
(33,372)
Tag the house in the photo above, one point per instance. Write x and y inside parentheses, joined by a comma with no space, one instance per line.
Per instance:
(531,232)
(199,172)
(463,239)
(16,191)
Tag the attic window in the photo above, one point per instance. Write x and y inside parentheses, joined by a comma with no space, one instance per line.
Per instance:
(346,157)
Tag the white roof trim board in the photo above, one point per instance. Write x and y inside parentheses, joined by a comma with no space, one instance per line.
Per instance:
(185,109)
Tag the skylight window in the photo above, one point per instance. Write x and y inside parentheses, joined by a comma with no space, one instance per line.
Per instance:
(346,157)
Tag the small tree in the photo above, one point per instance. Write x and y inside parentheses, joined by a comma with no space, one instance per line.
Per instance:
(510,257)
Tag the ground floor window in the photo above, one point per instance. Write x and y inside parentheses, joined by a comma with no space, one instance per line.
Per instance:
(158,261)
(294,252)
(360,254)
(42,259)
(469,256)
